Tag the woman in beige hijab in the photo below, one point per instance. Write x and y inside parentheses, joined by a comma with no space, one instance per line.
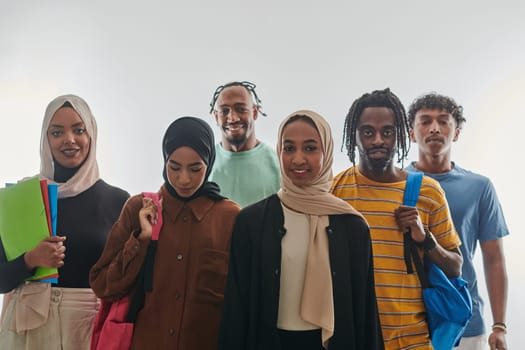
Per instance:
(301,274)
(42,315)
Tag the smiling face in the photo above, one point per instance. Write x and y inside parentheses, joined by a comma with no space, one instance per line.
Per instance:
(376,139)
(235,114)
(434,131)
(186,171)
(68,139)
(301,152)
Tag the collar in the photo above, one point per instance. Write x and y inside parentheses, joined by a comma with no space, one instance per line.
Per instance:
(199,206)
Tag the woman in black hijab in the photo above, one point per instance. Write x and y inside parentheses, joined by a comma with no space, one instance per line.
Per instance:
(196,134)
(183,309)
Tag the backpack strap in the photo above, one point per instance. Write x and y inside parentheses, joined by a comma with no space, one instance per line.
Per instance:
(149,260)
(156,228)
(412,188)
(144,282)
(420,268)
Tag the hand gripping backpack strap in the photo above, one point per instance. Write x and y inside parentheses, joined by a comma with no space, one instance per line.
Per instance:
(113,327)
(145,278)
(447,300)
(410,198)
(152,247)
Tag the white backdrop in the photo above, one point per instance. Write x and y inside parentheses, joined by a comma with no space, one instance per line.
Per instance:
(140,66)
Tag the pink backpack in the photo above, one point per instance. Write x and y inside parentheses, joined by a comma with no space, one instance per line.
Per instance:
(113,327)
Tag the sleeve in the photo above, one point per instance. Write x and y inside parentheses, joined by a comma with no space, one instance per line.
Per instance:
(335,183)
(12,273)
(368,332)
(115,272)
(235,321)
(439,218)
(492,221)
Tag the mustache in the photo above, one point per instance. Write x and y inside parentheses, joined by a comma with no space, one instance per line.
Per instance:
(235,123)
(377,149)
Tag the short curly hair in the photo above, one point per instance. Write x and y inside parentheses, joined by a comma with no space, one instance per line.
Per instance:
(436,101)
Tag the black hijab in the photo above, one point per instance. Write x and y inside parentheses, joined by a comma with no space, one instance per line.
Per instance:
(196,134)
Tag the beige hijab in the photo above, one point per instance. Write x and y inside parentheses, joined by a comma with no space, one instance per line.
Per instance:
(315,200)
(88,173)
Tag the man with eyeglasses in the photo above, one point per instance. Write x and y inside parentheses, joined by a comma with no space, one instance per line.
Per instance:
(246,169)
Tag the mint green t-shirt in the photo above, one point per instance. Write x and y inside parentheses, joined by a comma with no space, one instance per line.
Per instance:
(247,177)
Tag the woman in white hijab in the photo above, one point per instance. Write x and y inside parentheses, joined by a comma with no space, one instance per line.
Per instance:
(301,274)
(60,315)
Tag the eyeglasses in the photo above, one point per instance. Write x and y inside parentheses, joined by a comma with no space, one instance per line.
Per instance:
(240,110)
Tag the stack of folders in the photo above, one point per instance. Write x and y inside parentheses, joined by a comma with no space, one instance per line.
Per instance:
(28,214)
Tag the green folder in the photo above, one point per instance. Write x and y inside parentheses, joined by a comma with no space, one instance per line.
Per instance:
(23,221)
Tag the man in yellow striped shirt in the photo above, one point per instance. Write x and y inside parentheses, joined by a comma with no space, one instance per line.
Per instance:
(377,126)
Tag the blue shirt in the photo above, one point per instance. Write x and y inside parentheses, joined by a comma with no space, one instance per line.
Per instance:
(478,216)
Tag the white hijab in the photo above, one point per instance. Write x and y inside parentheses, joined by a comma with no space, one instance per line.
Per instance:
(88,173)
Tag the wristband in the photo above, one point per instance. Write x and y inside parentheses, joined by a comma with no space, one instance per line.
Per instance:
(500,325)
(428,243)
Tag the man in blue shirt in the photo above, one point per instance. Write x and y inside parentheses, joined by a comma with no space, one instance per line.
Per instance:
(435,123)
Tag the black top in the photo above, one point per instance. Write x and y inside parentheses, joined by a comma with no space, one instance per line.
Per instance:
(86,220)
(251,303)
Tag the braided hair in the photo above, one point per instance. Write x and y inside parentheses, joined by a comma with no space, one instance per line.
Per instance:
(250,87)
(377,98)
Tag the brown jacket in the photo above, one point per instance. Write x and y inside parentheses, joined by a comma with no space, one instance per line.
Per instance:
(191,262)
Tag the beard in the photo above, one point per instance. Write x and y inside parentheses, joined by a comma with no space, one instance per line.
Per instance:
(237,140)
(377,165)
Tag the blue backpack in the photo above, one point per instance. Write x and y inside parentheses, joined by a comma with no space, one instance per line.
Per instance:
(447,300)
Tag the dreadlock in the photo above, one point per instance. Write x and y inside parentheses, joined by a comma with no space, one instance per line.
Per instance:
(436,101)
(377,98)
(245,84)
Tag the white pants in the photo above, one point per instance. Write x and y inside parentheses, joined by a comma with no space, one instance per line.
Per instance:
(478,342)
(72,312)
